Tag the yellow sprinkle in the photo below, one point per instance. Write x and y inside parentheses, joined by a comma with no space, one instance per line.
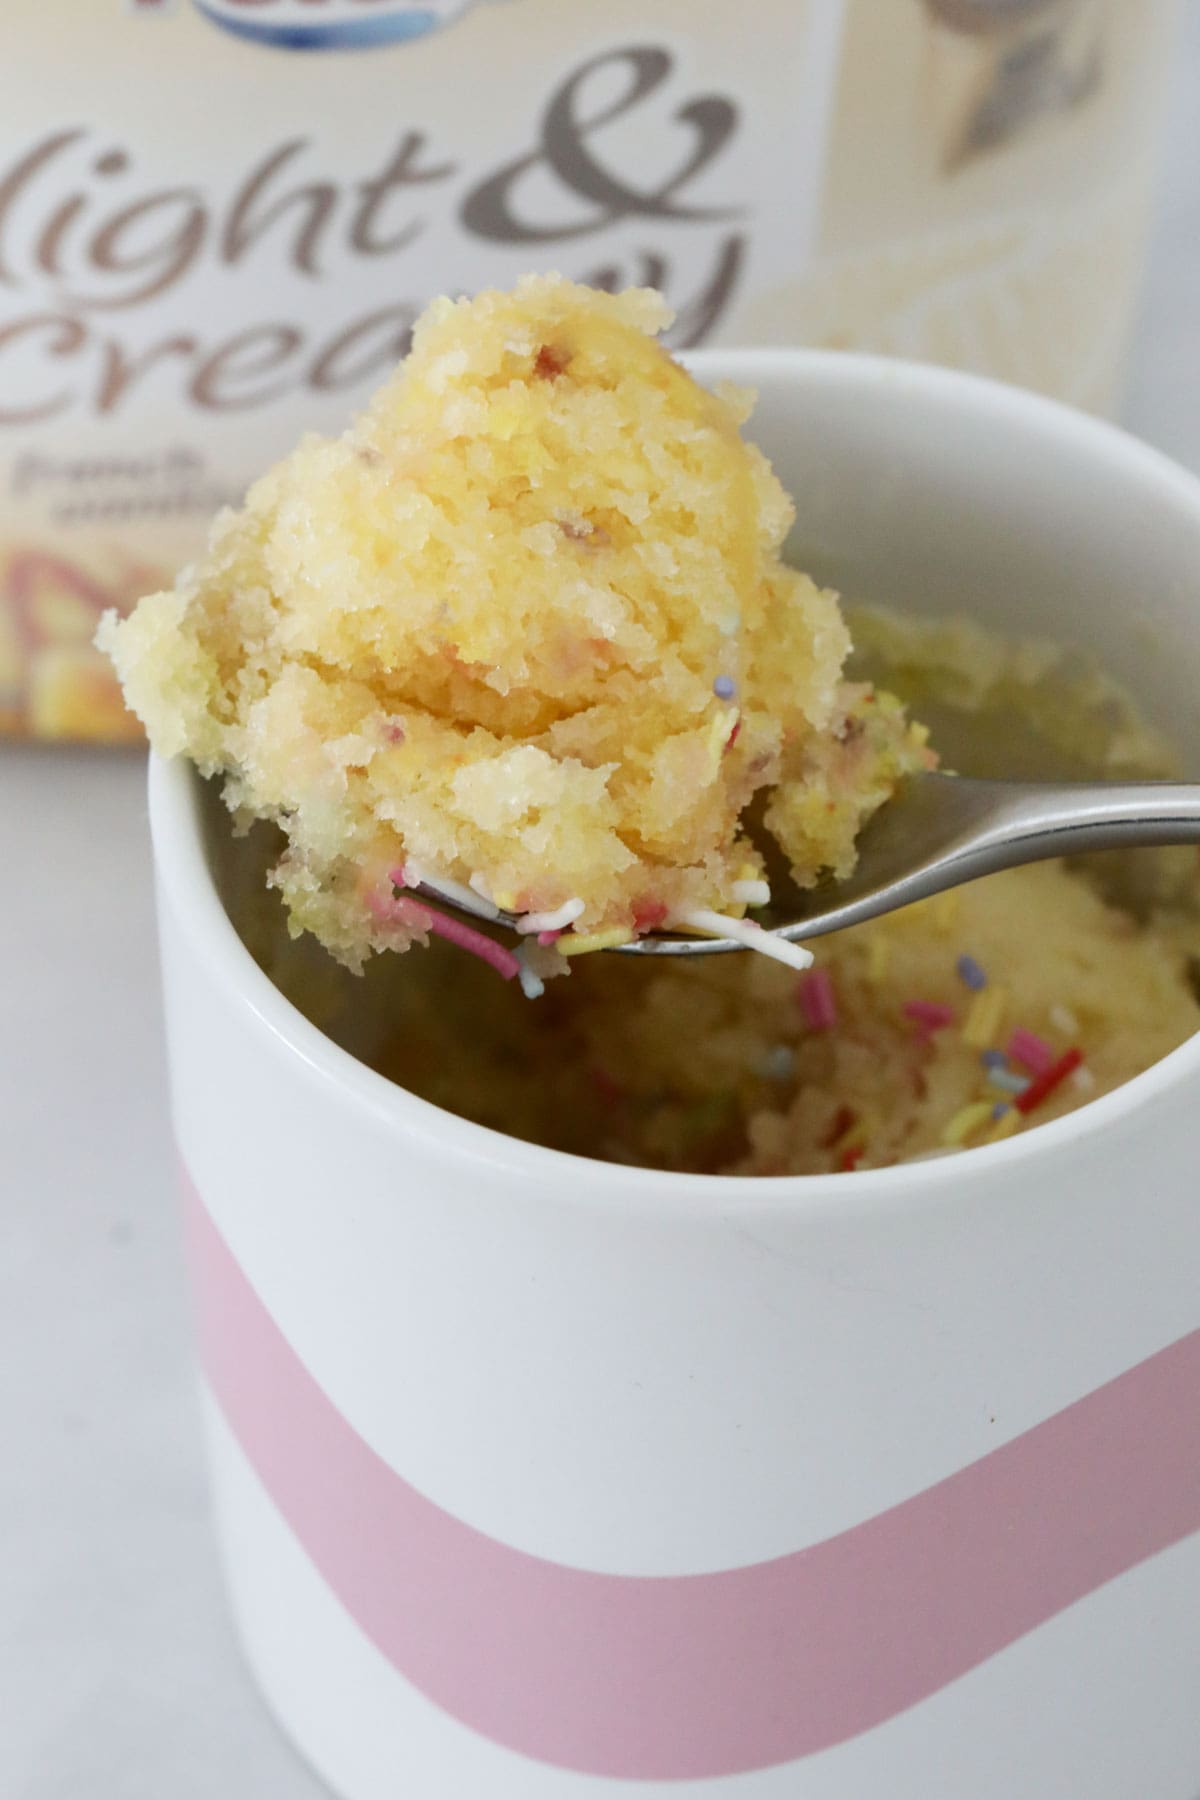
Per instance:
(966,1120)
(879,954)
(945,909)
(1004,1127)
(983,1021)
(720,731)
(570,945)
(747,872)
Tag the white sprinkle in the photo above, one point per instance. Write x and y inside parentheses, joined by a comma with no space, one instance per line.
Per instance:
(1064,1020)
(932,1155)
(532,986)
(1083,1080)
(751,893)
(558,920)
(745,931)
(468,898)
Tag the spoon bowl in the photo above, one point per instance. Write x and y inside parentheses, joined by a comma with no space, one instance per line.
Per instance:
(936,832)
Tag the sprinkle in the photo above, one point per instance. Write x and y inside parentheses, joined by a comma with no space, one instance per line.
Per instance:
(648,915)
(778,1064)
(1045,1083)
(718,740)
(818,1003)
(931,1015)
(1084,1081)
(1028,1048)
(1064,1020)
(1009,1122)
(546,938)
(840,1128)
(574,945)
(549,362)
(389,906)
(851,1158)
(414,874)
(532,985)
(455,932)
(993,1059)
(879,954)
(724,687)
(732,739)
(1008,1080)
(745,931)
(558,920)
(971,973)
(966,1120)
(1000,1109)
(983,1020)
(751,893)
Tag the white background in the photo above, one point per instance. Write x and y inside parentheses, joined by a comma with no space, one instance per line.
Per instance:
(119,1679)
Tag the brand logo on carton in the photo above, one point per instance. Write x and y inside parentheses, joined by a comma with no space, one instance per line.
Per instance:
(332,24)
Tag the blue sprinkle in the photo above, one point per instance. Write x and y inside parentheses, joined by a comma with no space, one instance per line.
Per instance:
(993,1059)
(1009,1080)
(971,973)
(779,1063)
(724,687)
(1000,1108)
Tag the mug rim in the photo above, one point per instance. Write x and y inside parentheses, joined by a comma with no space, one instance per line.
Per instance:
(183,869)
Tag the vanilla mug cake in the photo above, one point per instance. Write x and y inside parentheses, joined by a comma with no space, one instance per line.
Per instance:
(523,635)
(543,1476)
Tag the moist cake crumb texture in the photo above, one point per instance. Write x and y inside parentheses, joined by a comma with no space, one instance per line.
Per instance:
(525,626)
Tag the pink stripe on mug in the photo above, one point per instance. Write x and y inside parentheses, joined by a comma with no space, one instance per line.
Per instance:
(734,1670)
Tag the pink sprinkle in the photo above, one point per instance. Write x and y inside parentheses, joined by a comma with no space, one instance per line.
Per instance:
(648,915)
(818,1003)
(397,909)
(548,937)
(455,932)
(931,1015)
(1028,1048)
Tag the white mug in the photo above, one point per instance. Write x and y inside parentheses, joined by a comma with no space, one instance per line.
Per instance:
(543,1479)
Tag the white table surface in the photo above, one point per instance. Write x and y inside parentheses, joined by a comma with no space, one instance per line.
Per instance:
(119,1679)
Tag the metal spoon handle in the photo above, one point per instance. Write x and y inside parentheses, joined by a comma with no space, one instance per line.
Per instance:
(941,830)
(1032,820)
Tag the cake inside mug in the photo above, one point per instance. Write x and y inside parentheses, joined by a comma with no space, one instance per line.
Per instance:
(945,1026)
(526,630)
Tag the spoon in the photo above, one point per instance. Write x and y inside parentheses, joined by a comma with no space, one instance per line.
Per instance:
(936,832)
